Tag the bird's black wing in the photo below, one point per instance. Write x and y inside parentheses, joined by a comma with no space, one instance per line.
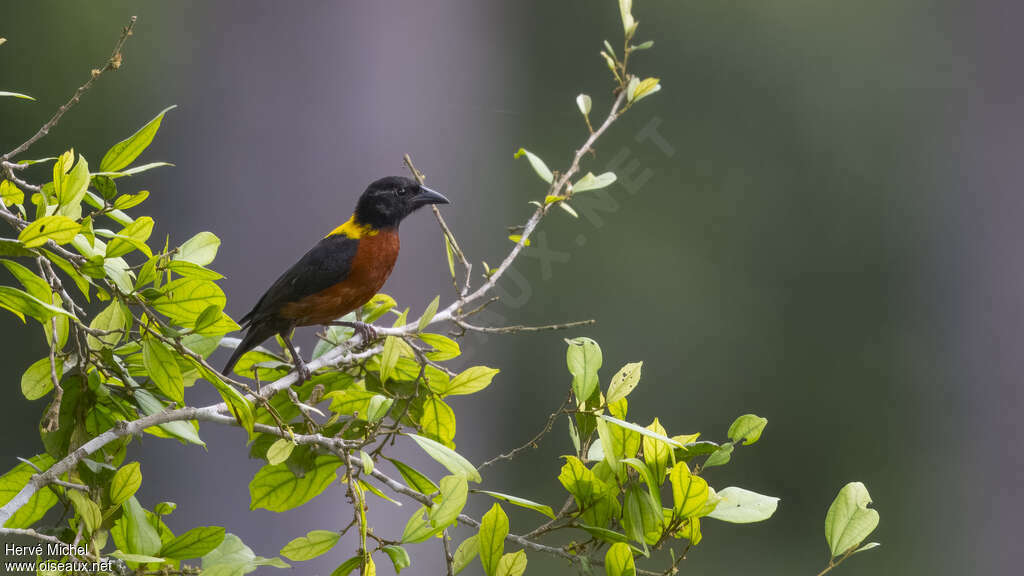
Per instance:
(323,266)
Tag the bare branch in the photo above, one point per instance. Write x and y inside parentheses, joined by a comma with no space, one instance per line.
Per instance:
(112,63)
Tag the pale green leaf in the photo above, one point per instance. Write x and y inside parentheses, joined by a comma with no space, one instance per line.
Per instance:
(747,428)
(538,165)
(491,538)
(195,543)
(126,483)
(523,502)
(741,506)
(311,545)
(448,504)
(126,151)
(453,461)
(849,520)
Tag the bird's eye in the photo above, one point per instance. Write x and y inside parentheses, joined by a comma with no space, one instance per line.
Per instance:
(403,191)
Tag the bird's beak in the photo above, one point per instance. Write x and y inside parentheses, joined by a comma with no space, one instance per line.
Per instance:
(428,196)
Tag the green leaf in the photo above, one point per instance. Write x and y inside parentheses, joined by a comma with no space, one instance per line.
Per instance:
(444,347)
(279,451)
(165,508)
(720,456)
(182,430)
(438,421)
(35,285)
(399,557)
(596,498)
(126,483)
(140,558)
(747,428)
(849,520)
(60,229)
(624,381)
(493,529)
(37,381)
(640,89)
(311,545)
(11,194)
(689,492)
(17,478)
(512,564)
(70,184)
(618,561)
(195,543)
(110,319)
(162,366)
(126,151)
(350,401)
(367,462)
(540,168)
(348,566)
(16,95)
(741,506)
(583,102)
(626,11)
(419,528)
(14,248)
(523,502)
(389,357)
(584,360)
(605,534)
(428,314)
(201,249)
(126,201)
(132,237)
(233,558)
(642,517)
(450,502)
(469,381)
(378,407)
(641,430)
(447,457)
(86,509)
(465,553)
(277,488)
(657,454)
(134,170)
(184,299)
(590,182)
(414,478)
(141,536)
(23,303)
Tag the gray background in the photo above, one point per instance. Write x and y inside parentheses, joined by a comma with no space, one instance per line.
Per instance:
(826,240)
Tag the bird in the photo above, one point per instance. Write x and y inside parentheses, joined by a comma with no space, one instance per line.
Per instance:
(340,274)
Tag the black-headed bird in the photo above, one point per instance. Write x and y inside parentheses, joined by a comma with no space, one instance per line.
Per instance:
(341,273)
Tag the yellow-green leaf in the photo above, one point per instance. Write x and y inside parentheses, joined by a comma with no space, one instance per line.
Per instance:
(60,229)
(126,151)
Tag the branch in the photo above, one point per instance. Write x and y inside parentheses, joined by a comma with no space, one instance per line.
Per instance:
(112,63)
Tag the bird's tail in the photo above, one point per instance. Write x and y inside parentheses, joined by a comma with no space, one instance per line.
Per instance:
(256,333)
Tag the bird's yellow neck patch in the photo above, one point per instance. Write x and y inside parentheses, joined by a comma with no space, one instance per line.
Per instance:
(353,229)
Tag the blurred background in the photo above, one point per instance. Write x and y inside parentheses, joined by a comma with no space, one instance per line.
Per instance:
(814,222)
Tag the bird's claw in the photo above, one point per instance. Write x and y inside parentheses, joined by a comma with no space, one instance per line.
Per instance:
(303,371)
(366,331)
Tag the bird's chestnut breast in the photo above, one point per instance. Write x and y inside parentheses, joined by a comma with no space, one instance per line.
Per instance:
(372,264)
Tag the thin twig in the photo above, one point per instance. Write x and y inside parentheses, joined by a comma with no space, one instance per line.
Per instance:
(533,441)
(112,63)
(520,328)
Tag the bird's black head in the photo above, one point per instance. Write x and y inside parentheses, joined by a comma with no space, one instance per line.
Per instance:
(389,200)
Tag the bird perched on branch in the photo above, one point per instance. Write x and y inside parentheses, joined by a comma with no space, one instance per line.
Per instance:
(341,273)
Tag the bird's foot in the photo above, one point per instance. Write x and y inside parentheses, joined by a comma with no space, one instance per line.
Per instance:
(366,331)
(302,370)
